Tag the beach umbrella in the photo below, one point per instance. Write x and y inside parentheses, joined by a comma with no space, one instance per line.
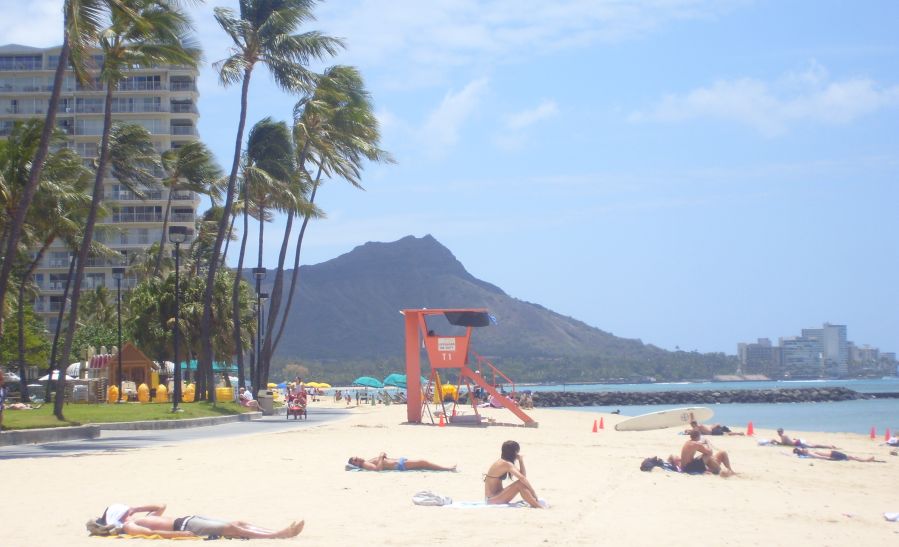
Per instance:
(11,376)
(324,385)
(368,381)
(399,380)
(46,377)
(315,385)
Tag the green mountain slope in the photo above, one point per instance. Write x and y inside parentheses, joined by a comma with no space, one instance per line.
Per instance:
(345,321)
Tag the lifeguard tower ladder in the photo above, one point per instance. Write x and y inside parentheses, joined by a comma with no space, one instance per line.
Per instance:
(446,352)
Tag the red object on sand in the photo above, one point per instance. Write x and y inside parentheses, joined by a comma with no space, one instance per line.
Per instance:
(887,436)
(602,425)
(594,426)
(442,423)
(873,432)
(750,431)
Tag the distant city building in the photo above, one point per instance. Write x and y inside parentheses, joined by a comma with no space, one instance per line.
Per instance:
(162,99)
(819,353)
(802,357)
(760,358)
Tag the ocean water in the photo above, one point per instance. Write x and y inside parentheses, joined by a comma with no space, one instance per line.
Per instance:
(843,416)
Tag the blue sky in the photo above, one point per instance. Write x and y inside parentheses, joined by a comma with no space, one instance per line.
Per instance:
(691,173)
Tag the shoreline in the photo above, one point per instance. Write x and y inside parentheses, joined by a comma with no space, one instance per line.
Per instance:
(592,481)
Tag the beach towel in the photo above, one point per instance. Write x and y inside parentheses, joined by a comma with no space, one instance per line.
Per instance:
(894,517)
(484,505)
(151,536)
(426,497)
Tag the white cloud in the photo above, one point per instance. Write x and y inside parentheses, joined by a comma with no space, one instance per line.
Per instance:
(441,130)
(772,108)
(37,23)
(520,120)
(420,43)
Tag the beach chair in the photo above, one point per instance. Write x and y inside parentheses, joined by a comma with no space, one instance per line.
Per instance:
(296,407)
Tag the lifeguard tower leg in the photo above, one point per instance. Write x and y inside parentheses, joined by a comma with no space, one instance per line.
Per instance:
(413,370)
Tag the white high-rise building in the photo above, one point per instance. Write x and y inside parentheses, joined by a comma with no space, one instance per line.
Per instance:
(162,99)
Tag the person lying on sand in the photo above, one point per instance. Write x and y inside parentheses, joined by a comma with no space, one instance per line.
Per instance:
(149,520)
(714,429)
(833,455)
(801,443)
(383,463)
(697,457)
(504,467)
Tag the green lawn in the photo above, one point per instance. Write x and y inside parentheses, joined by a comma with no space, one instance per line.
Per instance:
(81,414)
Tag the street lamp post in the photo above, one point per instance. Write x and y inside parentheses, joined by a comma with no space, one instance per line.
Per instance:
(259,274)
(177,236)
(117,273)
(263,296)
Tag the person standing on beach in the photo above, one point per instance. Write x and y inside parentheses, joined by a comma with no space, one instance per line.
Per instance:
(494,493)
(800,443)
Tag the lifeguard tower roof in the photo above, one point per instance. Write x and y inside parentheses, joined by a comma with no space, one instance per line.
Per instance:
(461,317)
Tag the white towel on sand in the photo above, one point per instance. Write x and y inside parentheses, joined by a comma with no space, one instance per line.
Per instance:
(891,516)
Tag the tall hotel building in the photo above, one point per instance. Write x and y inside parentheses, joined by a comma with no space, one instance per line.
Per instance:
(162,99)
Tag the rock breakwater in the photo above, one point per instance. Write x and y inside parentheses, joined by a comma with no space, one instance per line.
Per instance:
(703,397)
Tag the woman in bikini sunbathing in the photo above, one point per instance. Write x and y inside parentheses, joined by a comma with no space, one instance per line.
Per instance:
(834,455)
(383,463)
(494,493)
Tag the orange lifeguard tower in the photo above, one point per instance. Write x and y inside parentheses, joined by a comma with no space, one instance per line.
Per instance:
(447,350)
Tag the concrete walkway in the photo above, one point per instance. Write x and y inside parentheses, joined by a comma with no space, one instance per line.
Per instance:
(92,431)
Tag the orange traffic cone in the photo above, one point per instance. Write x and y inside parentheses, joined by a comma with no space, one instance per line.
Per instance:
(887,436)
(594,426)
(442,423)
(873,432)
(601,424)
(750,431)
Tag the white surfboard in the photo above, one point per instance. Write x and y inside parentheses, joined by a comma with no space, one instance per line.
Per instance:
(666,418)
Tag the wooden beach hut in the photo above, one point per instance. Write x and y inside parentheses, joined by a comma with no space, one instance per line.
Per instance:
(136,367)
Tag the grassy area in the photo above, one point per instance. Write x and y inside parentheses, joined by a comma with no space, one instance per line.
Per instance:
(81,414)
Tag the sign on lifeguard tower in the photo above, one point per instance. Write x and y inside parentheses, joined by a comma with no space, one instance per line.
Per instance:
(446,336)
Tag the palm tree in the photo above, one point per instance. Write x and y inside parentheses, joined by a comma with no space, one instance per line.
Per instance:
(335,127)
(160,37)
(267,173)
(262,33)
(55,210)
(81,22)
(191,167)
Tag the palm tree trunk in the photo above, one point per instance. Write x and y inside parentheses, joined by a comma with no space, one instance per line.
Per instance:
(21,315)
(235,293)
(206,356)
(85,246)
(228,240)
(59,319)
(276,292)
(165,228)
(278,284)
(34,177)
(296,262)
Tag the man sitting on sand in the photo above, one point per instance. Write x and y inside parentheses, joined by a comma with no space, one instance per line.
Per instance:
(801,443)
(494,493)
(383,463)
(696,457)
(715,429)
(120,518)
(833,455)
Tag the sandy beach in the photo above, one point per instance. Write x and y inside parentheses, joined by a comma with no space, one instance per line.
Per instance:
(592,481)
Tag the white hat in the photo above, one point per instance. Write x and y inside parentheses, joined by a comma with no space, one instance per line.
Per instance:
(115,514)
